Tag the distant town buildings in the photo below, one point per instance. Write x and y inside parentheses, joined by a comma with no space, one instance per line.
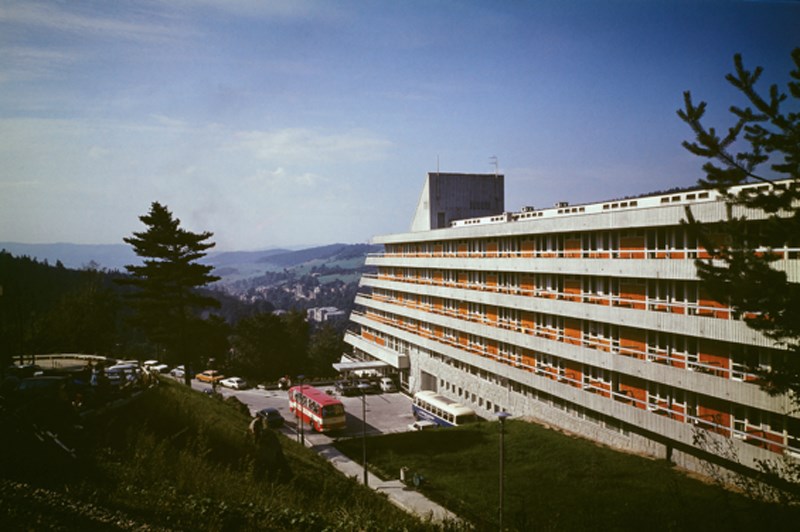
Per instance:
(587,317)
(323,314)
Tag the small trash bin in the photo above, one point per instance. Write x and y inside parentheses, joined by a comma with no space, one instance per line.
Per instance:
(403,474)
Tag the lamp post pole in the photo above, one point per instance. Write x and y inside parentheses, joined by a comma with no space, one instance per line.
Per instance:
(363,388)
(212,364)
(502,417)
(302,430)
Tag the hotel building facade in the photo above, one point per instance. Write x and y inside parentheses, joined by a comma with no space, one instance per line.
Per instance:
(588,318)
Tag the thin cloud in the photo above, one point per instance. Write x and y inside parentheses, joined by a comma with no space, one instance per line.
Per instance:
(310,146)
(77,21)
(29,63)
(10,185)
(287,9)
(284,178)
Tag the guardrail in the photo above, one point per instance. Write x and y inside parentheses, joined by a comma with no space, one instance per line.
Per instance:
(57,359)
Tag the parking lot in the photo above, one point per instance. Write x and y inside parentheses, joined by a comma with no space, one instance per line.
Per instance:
(386,412)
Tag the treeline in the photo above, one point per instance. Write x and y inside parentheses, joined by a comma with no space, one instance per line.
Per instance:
(52,309)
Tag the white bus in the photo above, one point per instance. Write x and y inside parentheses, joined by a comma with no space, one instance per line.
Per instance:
(444,412)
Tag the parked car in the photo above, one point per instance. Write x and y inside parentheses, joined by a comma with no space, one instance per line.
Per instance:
(122,374)
(369,386)
(273,418)
(235,383)
(178,372)
(210,376)
(159,368)
(387,385)
(347,388)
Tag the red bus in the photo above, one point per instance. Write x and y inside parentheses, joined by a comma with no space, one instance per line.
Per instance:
(323,412)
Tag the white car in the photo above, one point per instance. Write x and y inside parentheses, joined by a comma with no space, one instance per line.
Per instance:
(120,374)
(387,385)
(159,368)
(234,382)
(177,372)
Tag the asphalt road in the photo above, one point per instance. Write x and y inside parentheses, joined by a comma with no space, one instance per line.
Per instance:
(386,412)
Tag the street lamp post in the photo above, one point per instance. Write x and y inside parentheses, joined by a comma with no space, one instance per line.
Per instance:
(302,431)
(502,416)
(363,388)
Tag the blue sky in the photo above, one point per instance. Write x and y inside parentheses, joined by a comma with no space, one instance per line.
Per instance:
(302,122)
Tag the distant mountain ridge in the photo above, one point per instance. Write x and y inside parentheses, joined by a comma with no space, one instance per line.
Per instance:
(241,264)
(75,256)
(339,251)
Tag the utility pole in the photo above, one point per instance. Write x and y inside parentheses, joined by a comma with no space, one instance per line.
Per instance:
(502,416)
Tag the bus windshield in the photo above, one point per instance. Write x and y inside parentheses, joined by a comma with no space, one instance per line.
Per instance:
(332,410)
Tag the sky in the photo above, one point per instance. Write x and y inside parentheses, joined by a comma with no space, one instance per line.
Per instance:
(293,123)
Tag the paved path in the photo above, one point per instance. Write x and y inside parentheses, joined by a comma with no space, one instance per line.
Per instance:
(406,498)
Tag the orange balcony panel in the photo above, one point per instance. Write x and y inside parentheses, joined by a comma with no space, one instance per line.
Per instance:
(631,247)
(634,389)
(572,248)
(527,248)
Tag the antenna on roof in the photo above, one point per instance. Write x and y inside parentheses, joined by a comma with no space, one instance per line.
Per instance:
(493,160)
(437,165)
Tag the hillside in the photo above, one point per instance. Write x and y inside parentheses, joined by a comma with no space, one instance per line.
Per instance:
(255,266)
(176,459)
(231,266)
(76,256)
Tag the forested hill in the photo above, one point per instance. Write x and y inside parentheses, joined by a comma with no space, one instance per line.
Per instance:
(249,269)
(48,308)
(230,265)
(78,256)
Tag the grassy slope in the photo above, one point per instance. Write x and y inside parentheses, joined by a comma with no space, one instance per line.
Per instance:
(557,482)
(176,459)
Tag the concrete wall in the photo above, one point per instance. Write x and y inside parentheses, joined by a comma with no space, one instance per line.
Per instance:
(447,197)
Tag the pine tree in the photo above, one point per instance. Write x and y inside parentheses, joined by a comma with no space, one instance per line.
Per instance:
(763,146)
(166,300)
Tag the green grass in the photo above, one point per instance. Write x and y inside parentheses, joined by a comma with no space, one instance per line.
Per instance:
(557,482)
(178,459)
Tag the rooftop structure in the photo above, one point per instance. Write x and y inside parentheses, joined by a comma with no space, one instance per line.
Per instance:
(447,197)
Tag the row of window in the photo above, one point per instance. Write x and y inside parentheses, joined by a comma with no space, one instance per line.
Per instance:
(658,295)
(532,393)
(675,242)
(722,359)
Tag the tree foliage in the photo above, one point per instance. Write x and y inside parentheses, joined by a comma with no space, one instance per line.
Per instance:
(326,346)
(762,146)
(166,299)
(269,346)
(46,308)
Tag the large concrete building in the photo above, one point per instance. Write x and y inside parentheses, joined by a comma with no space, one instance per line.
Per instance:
(589,318)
